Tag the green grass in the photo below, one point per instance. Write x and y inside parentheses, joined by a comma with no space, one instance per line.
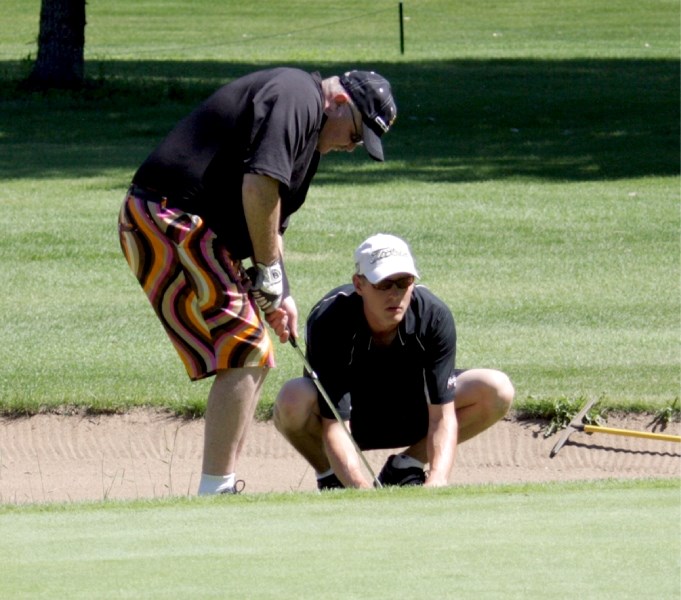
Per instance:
(228,30)
(534,168)
(578,540)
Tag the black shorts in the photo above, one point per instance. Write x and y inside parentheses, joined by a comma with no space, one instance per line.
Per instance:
(394,430)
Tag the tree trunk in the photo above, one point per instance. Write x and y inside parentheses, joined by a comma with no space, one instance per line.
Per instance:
(61,43)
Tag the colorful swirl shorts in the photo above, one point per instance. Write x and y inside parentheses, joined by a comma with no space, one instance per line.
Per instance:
(194,287)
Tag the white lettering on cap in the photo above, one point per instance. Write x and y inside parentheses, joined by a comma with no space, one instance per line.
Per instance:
(382,253)
(381,123)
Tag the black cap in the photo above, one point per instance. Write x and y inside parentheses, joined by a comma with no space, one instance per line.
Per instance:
(373,98)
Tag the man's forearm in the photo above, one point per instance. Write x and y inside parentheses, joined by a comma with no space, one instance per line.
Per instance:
(441,445)
(260,196)
(342,456)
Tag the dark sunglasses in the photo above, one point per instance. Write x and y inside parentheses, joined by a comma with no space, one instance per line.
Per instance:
(387,284)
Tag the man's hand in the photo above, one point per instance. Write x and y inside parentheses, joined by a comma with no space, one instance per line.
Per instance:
(442,439)
(284,320)
(268,285)
(342,455)
(436,480)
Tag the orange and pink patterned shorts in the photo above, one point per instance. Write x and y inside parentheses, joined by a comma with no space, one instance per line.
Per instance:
(195,288)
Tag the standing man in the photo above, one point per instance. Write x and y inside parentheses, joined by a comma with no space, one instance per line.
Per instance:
(218,190)
(383,349)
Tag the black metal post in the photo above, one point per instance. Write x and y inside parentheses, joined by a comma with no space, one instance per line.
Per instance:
(401,29)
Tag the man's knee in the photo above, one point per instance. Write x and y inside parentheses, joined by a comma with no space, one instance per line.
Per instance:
(489,389)
(294,404)
(503,393)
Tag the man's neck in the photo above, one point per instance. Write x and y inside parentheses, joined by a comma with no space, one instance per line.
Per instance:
(384,338)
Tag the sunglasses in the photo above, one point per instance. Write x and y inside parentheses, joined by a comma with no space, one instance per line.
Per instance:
(387,284)
(355,138)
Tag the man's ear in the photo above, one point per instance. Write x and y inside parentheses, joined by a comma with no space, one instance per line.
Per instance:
(341,98)
(338,100)
(357,281)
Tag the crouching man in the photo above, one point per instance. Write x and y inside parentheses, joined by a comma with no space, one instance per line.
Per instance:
(384,351)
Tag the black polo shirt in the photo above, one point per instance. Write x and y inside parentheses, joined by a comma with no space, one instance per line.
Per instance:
(383,391)
(267,123)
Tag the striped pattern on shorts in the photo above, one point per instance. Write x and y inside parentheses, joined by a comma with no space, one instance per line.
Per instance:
(194,287)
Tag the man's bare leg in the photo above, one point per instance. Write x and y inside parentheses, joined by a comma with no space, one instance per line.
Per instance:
(483,397)
(232,400)
(297,417)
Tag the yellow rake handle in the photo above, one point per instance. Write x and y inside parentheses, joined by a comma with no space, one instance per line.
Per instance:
(632,433)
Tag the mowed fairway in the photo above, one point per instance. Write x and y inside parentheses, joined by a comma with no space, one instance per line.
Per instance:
(595,540)
(533,167)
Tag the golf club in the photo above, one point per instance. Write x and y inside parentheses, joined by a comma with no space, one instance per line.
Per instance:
(247,279)
(292,340)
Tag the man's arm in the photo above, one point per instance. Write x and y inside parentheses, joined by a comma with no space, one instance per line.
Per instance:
(260,196)
(342,455)
(442,441)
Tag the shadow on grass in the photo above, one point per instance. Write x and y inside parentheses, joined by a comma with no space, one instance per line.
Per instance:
(459,120)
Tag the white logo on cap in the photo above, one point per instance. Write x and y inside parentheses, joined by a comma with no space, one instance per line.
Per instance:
(382,253)
(381,123)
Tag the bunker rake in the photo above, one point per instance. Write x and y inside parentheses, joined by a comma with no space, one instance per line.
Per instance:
(577,425)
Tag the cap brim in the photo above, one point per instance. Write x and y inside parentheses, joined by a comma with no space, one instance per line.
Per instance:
(381,274)
(372,142)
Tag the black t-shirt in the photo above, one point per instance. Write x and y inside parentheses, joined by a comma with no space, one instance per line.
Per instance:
(383,391)
(266,123)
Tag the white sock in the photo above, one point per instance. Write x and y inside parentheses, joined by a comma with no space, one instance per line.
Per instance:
(404,461)
(216,484)
(325,474)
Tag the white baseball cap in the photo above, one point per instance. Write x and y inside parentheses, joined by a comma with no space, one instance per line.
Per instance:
(383,255)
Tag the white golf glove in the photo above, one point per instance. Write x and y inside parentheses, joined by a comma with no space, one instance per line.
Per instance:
(268,285)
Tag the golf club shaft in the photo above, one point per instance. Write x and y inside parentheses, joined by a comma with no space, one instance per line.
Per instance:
(248,282)
(333,409)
